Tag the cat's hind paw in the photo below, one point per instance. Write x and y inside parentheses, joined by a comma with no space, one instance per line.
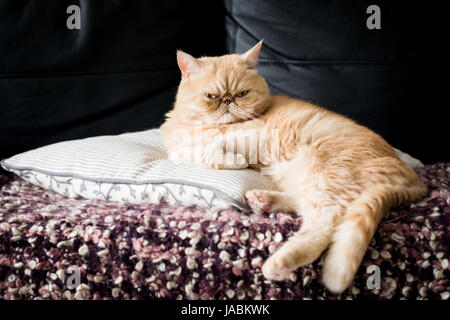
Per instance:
(277,268)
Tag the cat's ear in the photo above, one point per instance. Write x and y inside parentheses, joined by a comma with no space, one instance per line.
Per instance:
(189,66)
(251,56)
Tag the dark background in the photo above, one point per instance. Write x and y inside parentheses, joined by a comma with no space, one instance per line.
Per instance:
(119,74)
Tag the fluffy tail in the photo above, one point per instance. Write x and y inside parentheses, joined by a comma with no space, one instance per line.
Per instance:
(353,234)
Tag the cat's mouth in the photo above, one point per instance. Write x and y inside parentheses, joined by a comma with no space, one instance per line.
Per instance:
(229,113)
(229,117)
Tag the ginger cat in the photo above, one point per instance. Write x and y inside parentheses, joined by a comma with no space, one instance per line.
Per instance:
(341,177)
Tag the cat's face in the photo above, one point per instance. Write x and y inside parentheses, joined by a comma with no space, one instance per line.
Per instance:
(221,90)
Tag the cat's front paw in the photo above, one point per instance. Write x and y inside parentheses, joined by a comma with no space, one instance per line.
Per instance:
(229,161)
(257,202)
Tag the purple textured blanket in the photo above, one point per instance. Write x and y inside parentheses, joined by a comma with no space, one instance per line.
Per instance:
(57,248)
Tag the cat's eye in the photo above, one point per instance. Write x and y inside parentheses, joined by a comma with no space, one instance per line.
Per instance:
(211,96)
(242,93)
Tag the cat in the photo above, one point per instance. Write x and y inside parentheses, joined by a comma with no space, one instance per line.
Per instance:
(341,177)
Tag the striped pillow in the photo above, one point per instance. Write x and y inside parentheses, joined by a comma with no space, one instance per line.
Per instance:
(132,168)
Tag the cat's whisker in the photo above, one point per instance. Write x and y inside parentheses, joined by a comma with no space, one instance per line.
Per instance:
(244,114)
(214,115)
(220,113)
(255,114)
(239,113)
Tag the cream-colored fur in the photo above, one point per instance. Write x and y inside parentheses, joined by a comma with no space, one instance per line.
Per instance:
(340,176)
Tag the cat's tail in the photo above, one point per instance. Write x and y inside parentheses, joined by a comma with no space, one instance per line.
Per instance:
(354,233)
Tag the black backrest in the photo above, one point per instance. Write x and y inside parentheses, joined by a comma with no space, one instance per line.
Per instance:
(118,72)
(323,52)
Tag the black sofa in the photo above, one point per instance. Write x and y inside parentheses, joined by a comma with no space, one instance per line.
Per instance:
(118,72)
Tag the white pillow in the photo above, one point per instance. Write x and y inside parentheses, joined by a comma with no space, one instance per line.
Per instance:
(132,168)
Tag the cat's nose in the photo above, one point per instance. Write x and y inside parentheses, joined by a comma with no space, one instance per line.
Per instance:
(227,99)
